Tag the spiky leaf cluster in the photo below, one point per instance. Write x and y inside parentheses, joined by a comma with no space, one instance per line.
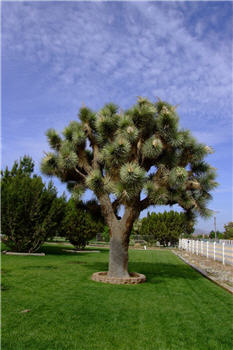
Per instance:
(157,194)
(116,153)
(53,139)
(49,164)
(127,153)
(132,178)
(67,158)
(152,148)
(107,121)
(177,177)
(94,181)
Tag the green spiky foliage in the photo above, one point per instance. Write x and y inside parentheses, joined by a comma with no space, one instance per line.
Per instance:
(135,158)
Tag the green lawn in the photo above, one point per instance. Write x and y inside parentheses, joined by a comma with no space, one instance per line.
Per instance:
(175,309)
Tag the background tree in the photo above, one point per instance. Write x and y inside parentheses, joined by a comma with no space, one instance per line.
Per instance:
(165,227)
(132,159)
(31,211)
(79,225)
(105,234)
(218,234)
(228,232)
(136,227)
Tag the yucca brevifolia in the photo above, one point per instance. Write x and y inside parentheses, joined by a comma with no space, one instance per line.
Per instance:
(135,159)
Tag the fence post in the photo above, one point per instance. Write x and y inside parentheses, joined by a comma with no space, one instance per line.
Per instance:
(223,257)
(214,249)
(197,247)
(201,247)
(207,249)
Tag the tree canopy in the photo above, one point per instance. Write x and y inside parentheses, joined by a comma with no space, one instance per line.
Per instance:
(140,152)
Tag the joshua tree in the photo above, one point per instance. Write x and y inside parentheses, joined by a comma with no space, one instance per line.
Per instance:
(131,159)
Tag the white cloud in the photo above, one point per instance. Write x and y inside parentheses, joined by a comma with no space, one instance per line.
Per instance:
(126,49)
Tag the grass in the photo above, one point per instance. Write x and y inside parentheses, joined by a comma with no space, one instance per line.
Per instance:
(175,309)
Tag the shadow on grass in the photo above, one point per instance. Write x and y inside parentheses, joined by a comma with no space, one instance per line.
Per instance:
(43,267)
(58,250)
(4,287)
(154,272)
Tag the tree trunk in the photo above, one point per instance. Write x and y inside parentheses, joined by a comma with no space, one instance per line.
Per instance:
(119,244)
(118,256)
(119,236)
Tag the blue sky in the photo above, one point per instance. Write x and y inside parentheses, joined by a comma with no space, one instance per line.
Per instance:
(56,55)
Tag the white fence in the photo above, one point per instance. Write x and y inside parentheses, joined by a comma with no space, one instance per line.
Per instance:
(215,250)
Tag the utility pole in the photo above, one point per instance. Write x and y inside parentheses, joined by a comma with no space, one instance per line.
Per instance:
(215,230)
(215,226)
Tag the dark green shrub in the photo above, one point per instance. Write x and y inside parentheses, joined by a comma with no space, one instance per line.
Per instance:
(31,211)
(165,227)
(79,225)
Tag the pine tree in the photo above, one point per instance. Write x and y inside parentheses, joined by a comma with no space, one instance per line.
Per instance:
(79,226)
(31,211)
(112,153)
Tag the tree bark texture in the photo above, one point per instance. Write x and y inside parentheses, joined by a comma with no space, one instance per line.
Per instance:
(118,256)
(119,237)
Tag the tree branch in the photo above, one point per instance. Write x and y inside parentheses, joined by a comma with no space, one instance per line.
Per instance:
(79,172)
(107,210)
(93,143)
(115,204)
(130,215)
(144,203)
(86,166)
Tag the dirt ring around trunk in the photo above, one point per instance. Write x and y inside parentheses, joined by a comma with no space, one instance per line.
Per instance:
(134,278)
